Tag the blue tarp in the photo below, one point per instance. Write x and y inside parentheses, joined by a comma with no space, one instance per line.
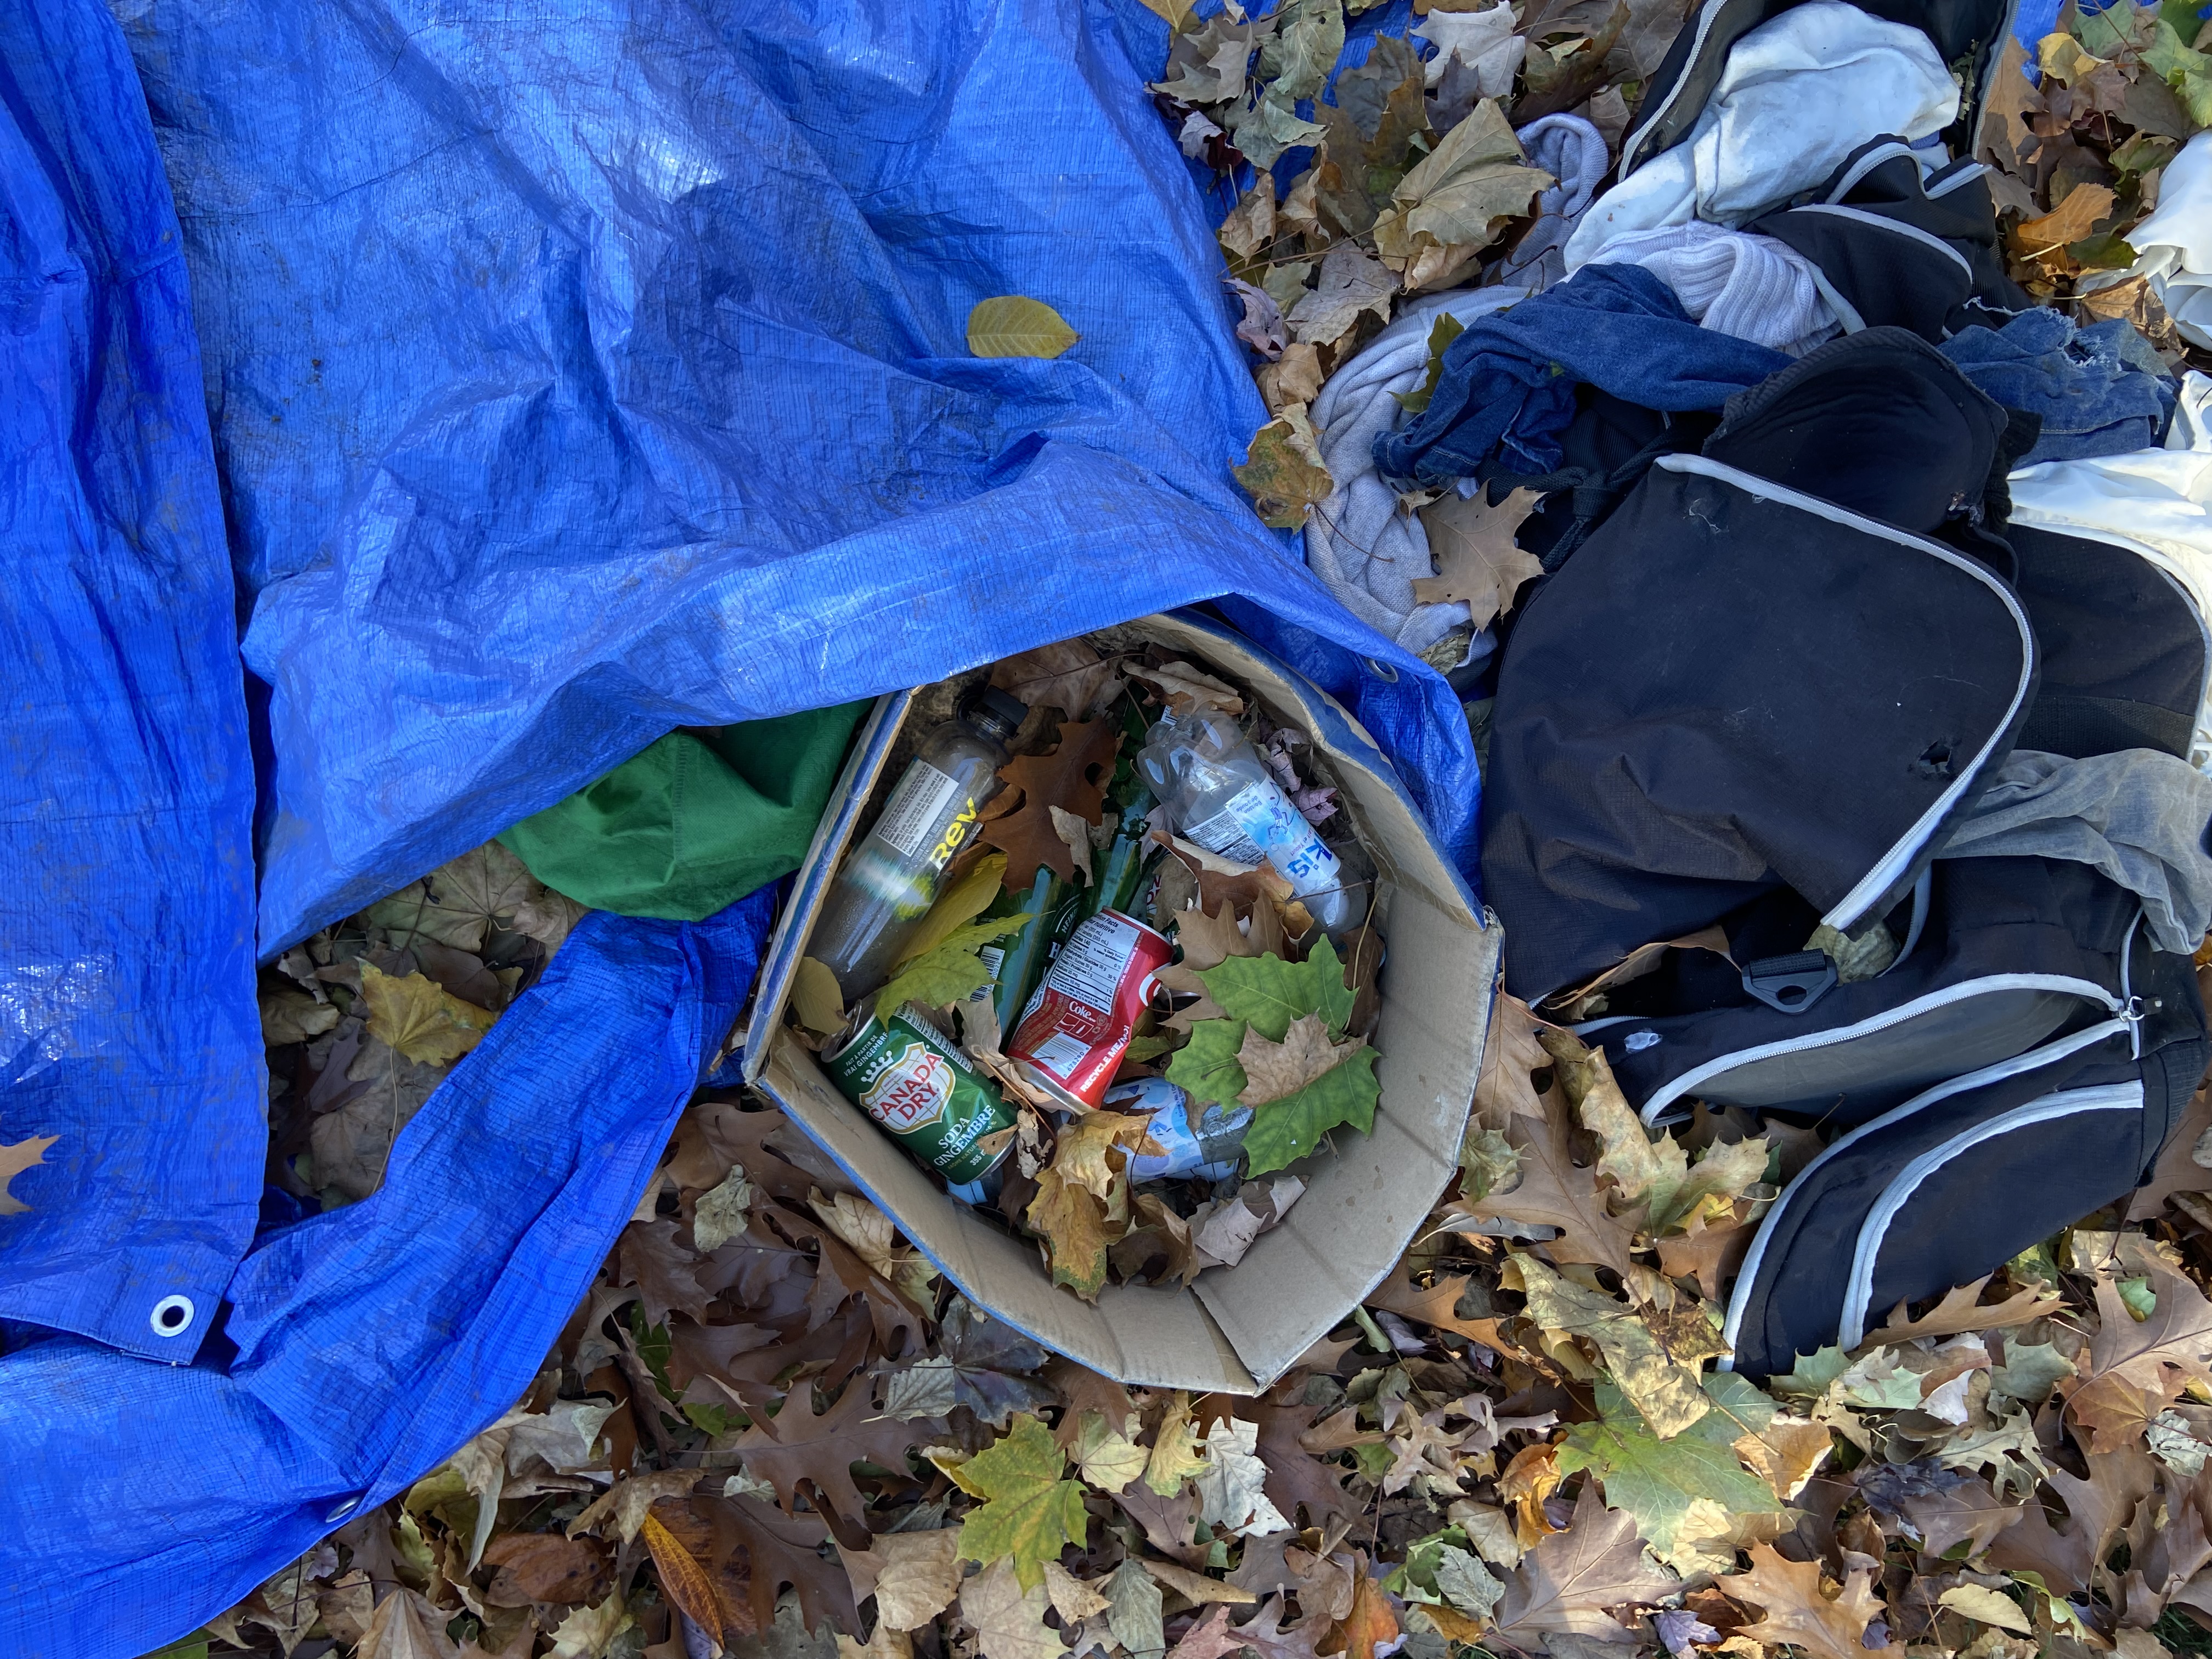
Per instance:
(554,376)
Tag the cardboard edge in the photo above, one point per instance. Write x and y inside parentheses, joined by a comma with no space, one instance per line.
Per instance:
(872,748)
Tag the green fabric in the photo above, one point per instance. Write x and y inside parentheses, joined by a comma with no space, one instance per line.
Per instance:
(696,822)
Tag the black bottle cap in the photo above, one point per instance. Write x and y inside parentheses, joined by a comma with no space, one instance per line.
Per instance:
(993,712)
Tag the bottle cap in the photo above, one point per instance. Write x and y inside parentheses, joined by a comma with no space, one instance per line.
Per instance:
(993,712)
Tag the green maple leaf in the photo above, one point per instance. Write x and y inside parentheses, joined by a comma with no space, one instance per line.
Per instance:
(949,971)
(1030,1512)
(1206,1068)
(1270,993)
(1285,1130)
(1658,1481)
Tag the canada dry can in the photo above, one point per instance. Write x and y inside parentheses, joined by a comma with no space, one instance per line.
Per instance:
(1077,1026)
(901,1072)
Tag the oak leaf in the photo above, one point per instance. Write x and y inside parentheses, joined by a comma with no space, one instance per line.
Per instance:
(1960,1312)
(2135,1369)
(1014,326)
(1068,676)
(14,1160)
(1477,564)
(1798,1610)
(1570,1578)
(1555,1192)
(1072,776)
(799,1443)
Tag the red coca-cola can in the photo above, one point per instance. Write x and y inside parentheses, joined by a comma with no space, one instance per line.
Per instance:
(1079,1024)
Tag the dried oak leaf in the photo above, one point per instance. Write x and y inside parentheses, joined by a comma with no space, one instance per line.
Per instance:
(1959,1313)
(1555,1192)
(1477,563)
(799,1443)
(1070,677)
(1799,1610)
(1570,1579)
(1072,777)
(2136,1369)
(786,1550)
(2177,1170)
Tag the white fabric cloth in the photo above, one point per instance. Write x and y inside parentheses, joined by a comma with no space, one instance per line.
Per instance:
(1799,94)
(2192,417)
(1573,152)
(2158,501)
(1753,287)
(1364,546)
(2174,247)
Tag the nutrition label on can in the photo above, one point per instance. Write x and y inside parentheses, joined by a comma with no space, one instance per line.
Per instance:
(916,810)
(1090,965)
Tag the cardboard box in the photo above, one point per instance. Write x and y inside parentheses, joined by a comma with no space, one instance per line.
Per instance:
(1237,1328)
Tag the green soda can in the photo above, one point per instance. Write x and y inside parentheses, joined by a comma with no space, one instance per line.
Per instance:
(927,1096)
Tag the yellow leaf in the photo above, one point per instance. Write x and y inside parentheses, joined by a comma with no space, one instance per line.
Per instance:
(1987,1606)
(685,1582)
(957,906)
(1176,13)
(1284,473)
(425,1023)
(1175,1456)
(1107,1460)
(816,998)
(2070,222)
(1012,325)
(14,1160)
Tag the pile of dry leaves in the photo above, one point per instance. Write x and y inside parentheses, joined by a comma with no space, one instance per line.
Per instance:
(1413,182)
(772,1428)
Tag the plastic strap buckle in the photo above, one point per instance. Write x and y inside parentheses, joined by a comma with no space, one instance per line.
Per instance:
(1793,983)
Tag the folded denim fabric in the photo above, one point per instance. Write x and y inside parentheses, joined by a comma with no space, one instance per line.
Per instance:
(2098,391)
(1507,384)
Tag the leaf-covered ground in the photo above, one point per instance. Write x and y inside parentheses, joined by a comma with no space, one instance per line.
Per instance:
(772,1428)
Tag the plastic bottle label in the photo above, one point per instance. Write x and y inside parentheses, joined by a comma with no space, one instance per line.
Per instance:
(916,810)
(1259,822)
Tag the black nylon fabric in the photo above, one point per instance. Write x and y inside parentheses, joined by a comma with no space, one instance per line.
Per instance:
(2123,647)
(1792,1302)
(1989,919)
(1899,255)
(1683,719)
(1879,422)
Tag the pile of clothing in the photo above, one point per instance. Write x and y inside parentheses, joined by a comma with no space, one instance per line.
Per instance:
(1849,760)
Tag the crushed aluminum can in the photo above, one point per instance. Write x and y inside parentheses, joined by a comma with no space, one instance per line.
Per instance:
(1208,1149)
(924,1094)
(1077,1026)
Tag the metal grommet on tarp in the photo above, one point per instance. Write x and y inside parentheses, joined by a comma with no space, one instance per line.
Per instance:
(172,1315)
(342,1509)
(1382,671)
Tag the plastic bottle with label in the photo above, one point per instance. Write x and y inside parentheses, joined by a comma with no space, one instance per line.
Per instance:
(890,879)
(1221,794)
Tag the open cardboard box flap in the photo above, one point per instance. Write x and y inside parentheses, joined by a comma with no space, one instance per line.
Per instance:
(1237,1328)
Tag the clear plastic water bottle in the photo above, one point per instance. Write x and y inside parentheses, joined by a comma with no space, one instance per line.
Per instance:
(890,880)
(1221,794)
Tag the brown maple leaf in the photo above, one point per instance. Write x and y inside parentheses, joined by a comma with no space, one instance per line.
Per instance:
(2135,1369)
(1971,1511)
(1072,777)
(1708,1252)
(1477,563)
(2097,1508)
(1274,1070)
(1167,1522)
(14,1160)
(1799,1611)
(1571,1577)
(800,1444)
